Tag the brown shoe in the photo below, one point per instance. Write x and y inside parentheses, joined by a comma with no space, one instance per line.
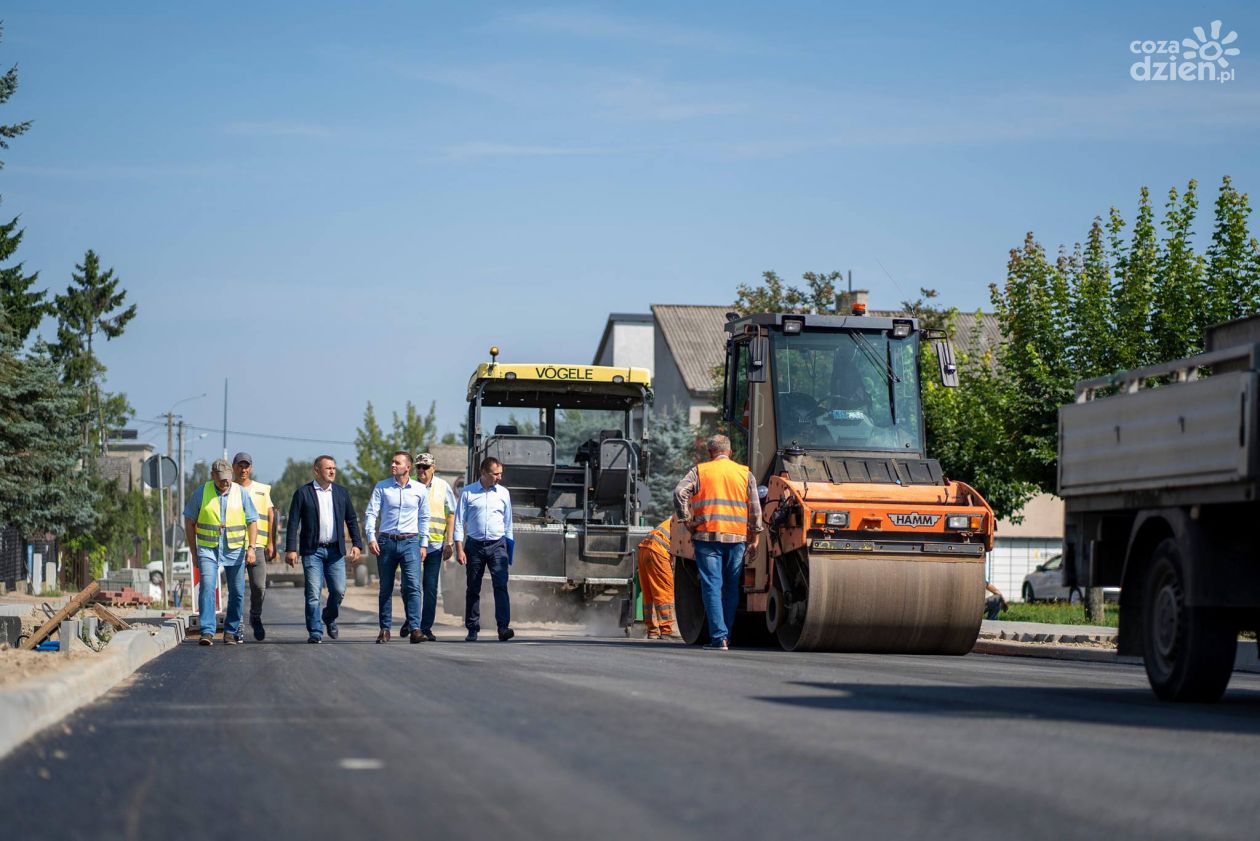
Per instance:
(383,636)
(417,635)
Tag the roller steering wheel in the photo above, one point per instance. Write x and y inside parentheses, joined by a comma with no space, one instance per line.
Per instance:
(803,407)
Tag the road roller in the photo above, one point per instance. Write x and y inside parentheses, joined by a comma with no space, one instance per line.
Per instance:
(868,546)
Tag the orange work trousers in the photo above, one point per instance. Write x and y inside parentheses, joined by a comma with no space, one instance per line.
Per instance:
(656,577)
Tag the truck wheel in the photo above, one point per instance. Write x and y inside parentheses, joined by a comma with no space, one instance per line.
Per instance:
(1028,593)
(688,606)
(1188,652)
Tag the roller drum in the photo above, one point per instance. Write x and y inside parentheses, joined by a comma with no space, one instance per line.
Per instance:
(893,604)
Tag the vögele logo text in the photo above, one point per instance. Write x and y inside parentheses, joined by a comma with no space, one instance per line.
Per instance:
(1203,58)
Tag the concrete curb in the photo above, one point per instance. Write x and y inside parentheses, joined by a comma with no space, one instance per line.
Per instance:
(1245,661)
(33,705)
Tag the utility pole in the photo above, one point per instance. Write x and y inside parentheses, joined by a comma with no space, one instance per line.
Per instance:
(179,510)
(170,453)
(225,382)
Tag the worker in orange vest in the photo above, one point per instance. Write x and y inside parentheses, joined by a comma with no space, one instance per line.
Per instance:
(717,501)
(656,578)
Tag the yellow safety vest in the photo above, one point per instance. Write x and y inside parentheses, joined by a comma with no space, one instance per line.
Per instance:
(261,496)
(208,523)
(721,503)
(438,510)
(658,541)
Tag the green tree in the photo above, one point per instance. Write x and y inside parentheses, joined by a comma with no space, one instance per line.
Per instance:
(773,295)
(26,309)
(1232,281)
(1092,321)
(295,474)
(92,305)
(374,448)
(1177,298)
(41,487)
(675,447)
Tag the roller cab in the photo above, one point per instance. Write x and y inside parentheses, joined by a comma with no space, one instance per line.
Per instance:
(868,546)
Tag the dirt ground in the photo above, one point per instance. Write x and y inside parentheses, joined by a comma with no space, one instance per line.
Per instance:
(17,666)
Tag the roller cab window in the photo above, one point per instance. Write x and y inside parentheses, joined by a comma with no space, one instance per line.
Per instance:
(851,391)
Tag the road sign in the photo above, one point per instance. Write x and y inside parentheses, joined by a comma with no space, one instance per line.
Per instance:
(159,472)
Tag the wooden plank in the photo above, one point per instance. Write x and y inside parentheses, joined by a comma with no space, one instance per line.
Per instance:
(110,618)
(79,600)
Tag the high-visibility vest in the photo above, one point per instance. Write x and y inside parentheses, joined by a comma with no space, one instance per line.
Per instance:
(438,510)
(261,496)
(721,503)
(208,523)
(657,542)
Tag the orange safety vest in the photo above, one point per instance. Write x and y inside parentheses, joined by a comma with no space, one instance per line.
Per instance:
(657,543)
(721,503)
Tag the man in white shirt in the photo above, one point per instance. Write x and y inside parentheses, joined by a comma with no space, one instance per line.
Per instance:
(402,507)
(483,536)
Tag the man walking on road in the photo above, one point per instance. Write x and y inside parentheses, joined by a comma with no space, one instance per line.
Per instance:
(483,538)
(220,520)
(656,579)
(403,508)
(265,551)
(441,534)
(319,516)
(717,502)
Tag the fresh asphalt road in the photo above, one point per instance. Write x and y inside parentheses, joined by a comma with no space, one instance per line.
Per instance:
(570,737)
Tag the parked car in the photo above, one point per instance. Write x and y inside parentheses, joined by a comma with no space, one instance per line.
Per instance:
(1045,584)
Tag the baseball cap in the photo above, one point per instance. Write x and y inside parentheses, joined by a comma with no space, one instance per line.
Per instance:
(245,457)
(425,459)
(221,469)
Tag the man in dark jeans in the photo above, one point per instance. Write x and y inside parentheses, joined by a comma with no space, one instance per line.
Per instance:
(319,516)
(483,540)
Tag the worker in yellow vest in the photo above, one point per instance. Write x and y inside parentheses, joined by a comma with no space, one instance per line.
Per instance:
(221,521)
(717,501)
(656,581)
(265,552)
(440,545)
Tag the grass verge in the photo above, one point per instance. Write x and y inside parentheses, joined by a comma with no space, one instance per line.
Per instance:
(1059,613)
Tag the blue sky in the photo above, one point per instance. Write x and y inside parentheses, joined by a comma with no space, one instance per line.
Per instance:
(330,205)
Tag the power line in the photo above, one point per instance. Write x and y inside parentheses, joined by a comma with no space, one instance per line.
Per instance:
(265,435)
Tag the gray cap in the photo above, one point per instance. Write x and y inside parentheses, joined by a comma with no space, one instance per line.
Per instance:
(425,460)
(220,469)
(245,457)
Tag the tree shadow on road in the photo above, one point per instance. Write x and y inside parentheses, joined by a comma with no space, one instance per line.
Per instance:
(1238,712)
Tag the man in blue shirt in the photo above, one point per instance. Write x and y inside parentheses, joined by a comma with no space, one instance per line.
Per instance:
(402,506)
(221,521)
(483,532)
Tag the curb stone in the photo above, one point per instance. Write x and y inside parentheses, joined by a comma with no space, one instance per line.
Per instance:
(42,702)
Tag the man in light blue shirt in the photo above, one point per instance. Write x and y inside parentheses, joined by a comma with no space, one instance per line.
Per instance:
(402,506)
(483,532)
(221,521)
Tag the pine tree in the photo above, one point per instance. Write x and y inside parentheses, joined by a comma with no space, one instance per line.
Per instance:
(374,448)
(40,449)
(674,446)
(25,308)
(92,305)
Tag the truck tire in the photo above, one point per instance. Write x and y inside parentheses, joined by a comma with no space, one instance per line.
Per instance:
(1188,652)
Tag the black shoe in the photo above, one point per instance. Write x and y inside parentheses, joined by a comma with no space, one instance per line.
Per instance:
(404,631)
(314,640)
(333,633)
(504,636)
(472,637)
(260,633)
(428,635)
